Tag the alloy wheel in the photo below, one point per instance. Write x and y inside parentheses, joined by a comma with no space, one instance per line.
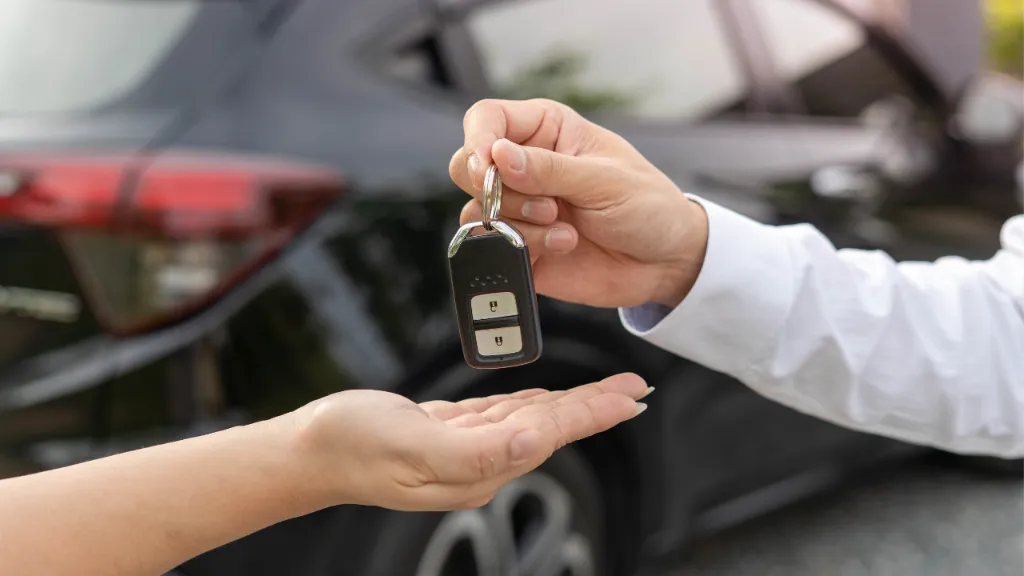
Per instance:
(527,530)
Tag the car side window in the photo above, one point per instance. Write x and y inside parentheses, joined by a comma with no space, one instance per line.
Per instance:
(417,59)
(420,63)
(646,59)
(827,56)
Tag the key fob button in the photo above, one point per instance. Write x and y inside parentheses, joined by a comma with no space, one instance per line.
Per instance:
(499,341)
(496,305)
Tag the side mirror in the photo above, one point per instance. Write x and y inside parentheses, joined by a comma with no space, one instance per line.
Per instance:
(991,112)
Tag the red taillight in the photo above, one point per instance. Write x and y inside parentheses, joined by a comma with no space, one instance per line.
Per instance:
(189,228)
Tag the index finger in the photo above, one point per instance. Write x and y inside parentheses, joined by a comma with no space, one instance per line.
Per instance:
(564,422)
(537,122)
(628,384)
(534,122)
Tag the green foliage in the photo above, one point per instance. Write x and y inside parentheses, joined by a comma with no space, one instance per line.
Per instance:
(1006,36)
(557,77)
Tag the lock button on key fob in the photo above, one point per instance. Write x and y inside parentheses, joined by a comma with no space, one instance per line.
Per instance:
(492,288)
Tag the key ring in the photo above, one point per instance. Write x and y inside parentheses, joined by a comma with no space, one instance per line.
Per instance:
(491,200)
(491,197)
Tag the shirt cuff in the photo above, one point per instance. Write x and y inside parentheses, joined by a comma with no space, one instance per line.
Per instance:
(738,304)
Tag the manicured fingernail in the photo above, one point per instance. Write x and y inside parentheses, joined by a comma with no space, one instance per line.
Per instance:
(558,239)
(539,210)
(474,164)
(640,407)
(516,156)
(524,445)
(646,393)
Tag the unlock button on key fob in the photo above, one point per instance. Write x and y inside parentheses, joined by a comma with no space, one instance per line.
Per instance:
(497,305)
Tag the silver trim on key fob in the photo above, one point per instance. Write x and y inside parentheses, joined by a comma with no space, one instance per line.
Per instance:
(510,234)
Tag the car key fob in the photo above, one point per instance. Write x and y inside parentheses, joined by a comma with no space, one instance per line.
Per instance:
(492,288)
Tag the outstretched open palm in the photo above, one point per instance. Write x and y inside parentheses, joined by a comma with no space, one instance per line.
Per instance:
(385,450)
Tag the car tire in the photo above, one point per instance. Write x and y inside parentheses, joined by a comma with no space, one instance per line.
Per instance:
(549,521)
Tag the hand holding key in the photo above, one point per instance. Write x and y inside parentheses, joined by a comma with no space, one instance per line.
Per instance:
(604,226)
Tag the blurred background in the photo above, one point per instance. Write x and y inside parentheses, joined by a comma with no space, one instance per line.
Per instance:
(212,212)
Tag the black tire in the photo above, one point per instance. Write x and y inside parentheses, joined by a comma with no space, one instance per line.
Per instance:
(402,538)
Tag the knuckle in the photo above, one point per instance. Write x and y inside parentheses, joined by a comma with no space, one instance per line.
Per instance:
(476,106)
(553,167)
(563,116)
(553,106)
(481,107)
(559,426)
(494,414)
(591,416)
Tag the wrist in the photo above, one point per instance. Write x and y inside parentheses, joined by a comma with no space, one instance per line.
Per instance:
(301,471)
(681,272)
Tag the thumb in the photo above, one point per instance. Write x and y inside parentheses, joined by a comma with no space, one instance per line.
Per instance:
(583,182)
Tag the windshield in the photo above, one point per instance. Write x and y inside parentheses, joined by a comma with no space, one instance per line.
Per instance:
(60,56)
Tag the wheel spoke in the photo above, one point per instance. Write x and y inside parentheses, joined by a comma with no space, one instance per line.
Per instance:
(578,557)
(464,526)
(525,531)
(540,551)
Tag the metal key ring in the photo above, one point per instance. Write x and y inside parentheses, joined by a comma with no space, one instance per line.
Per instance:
(491,197)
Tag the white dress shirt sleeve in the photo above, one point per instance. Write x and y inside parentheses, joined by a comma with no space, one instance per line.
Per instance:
(929,353)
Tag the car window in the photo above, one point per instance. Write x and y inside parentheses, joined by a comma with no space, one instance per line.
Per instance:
(827,56)
(646,58)
(418,62)
(63,55)
(78,57)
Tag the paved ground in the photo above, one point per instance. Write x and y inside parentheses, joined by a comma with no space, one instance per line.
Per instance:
(921,520)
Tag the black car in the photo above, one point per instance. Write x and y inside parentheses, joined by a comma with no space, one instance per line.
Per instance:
(216,211)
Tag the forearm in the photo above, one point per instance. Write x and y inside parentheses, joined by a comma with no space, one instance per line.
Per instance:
(147,511)
(927,353)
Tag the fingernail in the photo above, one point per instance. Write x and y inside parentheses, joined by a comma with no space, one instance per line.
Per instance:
(474,164)
(646,393)
(538,209)
(640,407)
(558,239)
(524,445)
(516,156)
